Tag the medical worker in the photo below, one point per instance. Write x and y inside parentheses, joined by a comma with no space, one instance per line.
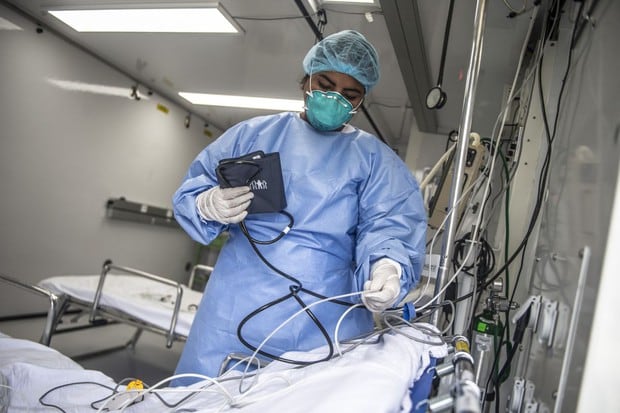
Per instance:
(359,221)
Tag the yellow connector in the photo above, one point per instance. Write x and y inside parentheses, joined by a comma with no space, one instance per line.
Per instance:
(135,385)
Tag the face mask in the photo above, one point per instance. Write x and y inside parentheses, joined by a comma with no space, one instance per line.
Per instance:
(327,111)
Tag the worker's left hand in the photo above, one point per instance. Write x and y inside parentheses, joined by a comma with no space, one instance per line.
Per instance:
(383,288)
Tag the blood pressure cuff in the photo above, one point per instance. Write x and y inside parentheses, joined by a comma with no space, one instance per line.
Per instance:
(262,173)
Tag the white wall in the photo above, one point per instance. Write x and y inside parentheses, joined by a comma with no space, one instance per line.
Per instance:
(424,149)
(63,154)
(599,388)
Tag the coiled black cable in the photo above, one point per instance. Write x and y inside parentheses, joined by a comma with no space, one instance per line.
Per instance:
(484,262)
(295,289)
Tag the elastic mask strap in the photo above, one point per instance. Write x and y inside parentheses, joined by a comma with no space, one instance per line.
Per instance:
(354,110)
(309,91)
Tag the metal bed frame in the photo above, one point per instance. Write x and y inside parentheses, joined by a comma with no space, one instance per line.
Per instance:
(99,314)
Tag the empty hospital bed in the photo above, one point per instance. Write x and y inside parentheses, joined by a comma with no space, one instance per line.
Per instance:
(119,294)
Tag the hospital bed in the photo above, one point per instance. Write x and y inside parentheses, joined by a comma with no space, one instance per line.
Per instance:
(389,373)
(119,295)
(392,373)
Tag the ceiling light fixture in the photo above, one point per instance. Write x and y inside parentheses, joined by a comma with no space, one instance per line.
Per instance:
(349,1)
(124,92)
(143,18)
(360,5)
(7,25)
(249,102)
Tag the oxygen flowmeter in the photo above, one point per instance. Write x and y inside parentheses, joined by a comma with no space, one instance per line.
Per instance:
(487,332)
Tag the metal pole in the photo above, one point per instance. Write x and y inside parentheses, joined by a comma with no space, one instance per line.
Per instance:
(461,148)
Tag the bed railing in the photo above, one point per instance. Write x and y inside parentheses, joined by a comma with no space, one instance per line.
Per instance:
(197,269)
(54,301)
(108,266)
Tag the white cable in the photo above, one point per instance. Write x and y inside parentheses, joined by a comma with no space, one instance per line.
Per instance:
(253,357)
(430,331)
(512,9)
(426,285)
(337,329)
(451,280)
(240,401)
(449,326)
(429,177)
(140,393)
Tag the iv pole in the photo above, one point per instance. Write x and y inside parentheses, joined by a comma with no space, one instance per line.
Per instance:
(461,150)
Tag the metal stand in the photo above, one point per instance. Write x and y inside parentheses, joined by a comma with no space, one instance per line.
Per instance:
(461,152)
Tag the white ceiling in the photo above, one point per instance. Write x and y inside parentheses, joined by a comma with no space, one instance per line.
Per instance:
(266,59)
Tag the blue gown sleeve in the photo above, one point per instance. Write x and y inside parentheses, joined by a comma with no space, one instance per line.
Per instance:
(201,177)
(392,220)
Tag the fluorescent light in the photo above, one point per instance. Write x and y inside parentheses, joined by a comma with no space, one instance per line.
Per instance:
(349,1)
(356,4)
(7,25)
(71,85)
(243,101)
(150,20)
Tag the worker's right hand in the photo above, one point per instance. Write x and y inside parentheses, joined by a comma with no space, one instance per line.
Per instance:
(224,205)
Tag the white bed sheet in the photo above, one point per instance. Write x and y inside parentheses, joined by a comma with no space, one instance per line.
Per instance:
(373,378)
(30,369)
(144,299)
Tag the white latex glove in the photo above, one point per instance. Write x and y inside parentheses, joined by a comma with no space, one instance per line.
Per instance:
(224,205)
(383,288)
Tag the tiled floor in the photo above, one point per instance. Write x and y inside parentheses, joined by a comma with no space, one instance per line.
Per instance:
(150,361)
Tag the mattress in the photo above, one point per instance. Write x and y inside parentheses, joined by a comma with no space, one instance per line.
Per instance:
(144,299)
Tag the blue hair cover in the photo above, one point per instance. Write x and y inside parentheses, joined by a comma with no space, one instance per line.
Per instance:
(346,52)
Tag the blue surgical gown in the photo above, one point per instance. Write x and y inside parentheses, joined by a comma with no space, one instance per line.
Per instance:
(353,201)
